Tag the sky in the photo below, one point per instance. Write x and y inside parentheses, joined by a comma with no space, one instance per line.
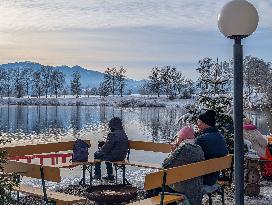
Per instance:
(135,34)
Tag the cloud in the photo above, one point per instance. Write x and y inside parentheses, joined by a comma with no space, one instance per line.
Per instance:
(54,15)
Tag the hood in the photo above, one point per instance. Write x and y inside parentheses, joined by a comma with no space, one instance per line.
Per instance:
(249,127)
(115,124)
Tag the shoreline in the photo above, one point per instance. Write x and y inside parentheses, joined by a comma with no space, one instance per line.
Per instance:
(117,101)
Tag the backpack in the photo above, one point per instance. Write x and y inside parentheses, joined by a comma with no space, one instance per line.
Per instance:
(80,151)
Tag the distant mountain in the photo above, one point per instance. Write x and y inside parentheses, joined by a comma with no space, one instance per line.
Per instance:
(88,77)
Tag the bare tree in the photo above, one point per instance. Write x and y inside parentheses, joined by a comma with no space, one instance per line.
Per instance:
(104,89)
(155,81)
(46,73)
(57,81)
(37,86)
(28,77)
(75,84)
(19,82)
(121,80)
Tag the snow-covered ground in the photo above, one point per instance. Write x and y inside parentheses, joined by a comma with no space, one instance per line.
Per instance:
(125,101)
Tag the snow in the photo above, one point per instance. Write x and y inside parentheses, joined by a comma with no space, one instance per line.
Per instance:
(117,101)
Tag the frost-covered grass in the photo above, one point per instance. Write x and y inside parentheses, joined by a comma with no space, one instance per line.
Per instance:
(125,101)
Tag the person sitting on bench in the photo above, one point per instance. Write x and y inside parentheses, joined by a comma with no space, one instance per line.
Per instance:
(186,134)
(252,134)
(186,152)
(115,148)
(211,141)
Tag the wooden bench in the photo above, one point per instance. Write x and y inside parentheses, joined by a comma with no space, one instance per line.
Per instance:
(41,151)
(14,150)
(178,174)
(133,145)
(43,173)
(31,151)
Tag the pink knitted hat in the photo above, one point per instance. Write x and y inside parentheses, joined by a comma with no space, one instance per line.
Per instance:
(186,133)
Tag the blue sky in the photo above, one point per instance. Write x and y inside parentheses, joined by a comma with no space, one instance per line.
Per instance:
(136,34)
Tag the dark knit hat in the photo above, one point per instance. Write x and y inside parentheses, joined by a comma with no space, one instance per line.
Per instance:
(208,117)
(115,123)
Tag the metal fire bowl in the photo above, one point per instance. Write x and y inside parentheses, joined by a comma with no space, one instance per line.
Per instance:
(111,194)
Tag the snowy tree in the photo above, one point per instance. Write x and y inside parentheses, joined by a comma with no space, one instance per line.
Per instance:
(180,84)
(27,77)
(257,80)
(8,83)
(144,89)
(37,85)
(110,81)
(121,80)
(155,81)
(57,81)
(19,82)
(104,89)
(214,95)
(187,88)
(5,82)
(166,80)
(75,84)
(94,91)
(46,74)
(65,91)
(87,91)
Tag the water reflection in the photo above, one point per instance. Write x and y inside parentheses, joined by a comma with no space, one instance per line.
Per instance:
(50,123)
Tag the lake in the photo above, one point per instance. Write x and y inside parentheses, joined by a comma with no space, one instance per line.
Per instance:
(51,123)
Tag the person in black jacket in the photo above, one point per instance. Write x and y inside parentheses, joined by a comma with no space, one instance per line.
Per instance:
(115,148)
(211,141)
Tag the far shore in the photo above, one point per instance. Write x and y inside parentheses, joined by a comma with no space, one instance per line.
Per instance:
(116,101)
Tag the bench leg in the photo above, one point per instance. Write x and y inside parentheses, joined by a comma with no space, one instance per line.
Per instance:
(124,174)
(18,181)
(210,199)
(43,185)
(116,169)
(90,169)
(223,195)
(83,180)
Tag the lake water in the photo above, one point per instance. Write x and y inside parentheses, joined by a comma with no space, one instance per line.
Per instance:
(51,123)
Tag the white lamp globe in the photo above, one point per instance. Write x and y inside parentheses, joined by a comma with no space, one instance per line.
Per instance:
(238,18)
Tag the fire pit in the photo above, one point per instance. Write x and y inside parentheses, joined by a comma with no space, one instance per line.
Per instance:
(111,194)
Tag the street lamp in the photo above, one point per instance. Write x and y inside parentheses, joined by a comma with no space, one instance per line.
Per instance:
(238,19)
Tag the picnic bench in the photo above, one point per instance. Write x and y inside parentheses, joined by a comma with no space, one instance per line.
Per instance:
(32,151)
(44,173)
(133,145)
(170,176)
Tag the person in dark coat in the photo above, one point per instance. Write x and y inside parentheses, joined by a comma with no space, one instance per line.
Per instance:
(211,141)
(115,148)
(186,153)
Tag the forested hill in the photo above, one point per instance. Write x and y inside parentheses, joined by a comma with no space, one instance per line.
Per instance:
(89,78)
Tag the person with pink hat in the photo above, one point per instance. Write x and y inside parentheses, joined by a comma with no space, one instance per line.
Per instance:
(186,135)
(185,151)
(259,142)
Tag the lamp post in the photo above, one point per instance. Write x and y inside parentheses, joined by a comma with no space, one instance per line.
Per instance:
(237,20)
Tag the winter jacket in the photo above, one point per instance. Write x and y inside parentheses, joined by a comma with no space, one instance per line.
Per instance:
(259,142)
(213,145)
(187,153)
(116,145)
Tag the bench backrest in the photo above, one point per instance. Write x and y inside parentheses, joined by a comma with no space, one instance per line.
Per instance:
(186,172)
(33,170)
(22,150)
(149,146)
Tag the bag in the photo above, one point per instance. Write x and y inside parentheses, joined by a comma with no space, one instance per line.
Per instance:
(80,151)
